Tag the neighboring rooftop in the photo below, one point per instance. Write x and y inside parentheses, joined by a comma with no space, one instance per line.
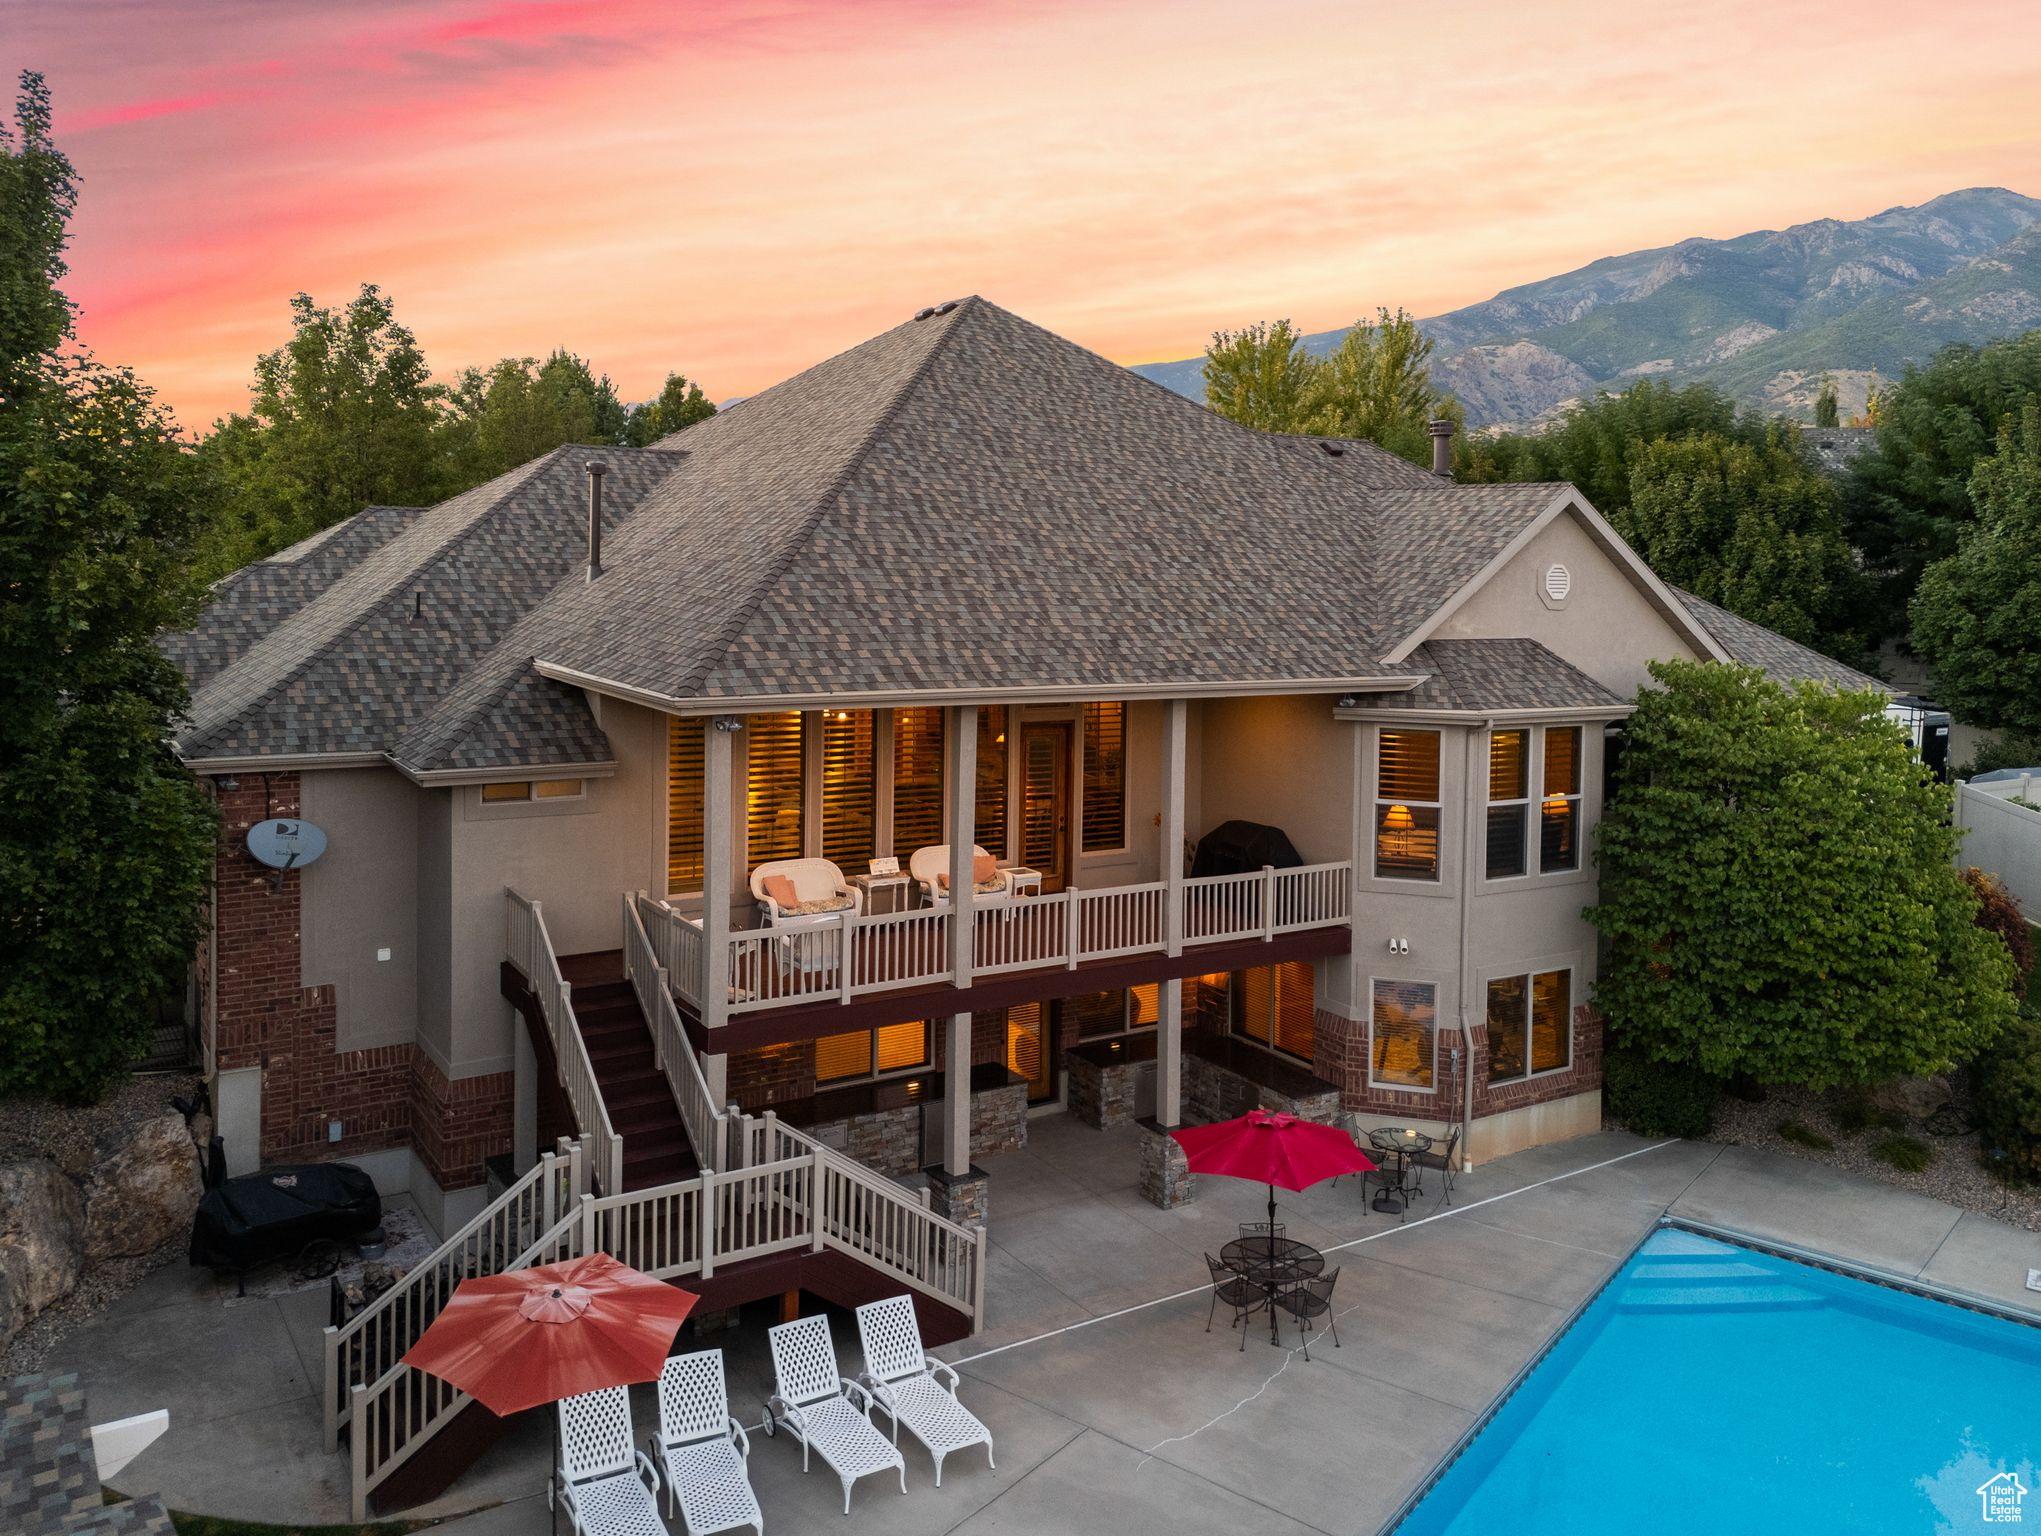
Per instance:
(1787,660)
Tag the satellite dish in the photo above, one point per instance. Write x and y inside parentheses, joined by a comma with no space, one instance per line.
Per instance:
(285,842)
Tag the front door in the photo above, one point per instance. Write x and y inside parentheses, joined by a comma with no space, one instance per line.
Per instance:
(1045,802)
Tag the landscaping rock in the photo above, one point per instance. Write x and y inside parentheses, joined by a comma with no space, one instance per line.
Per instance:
(42,1240)
(1916,1098)
(143,1191)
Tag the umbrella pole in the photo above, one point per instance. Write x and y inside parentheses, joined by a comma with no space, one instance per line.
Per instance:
(1272,1213)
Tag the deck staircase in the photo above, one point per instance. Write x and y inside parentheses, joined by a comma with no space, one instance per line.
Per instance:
(641,1105)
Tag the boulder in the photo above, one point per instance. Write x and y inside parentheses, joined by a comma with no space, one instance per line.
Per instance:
(1915,1098)
(143,1191)
(42,1240)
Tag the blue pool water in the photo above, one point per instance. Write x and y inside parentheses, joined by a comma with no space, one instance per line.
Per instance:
(1713,1389)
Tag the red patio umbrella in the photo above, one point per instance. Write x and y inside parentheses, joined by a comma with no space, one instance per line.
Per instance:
(1272,1149)
(531,1336)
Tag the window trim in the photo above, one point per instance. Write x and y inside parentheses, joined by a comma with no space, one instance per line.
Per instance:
(1533,969)
(1084,719)
(1416,981)
(1533,740)
(1577,799)
(1236,996)
(1378,801)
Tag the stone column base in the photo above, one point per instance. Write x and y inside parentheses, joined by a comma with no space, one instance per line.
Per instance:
(964,1198)
(1166,1178)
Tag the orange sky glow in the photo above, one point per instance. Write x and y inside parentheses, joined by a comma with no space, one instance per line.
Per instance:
(736,188)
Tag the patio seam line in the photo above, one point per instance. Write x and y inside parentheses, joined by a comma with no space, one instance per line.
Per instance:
(307,1395)
(964,1520)
(1051,1284)
(1489,1226)
(1939,1246)
(1370,1237)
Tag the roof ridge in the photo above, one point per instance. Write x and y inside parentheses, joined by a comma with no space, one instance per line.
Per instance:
(853,461)
(515,478)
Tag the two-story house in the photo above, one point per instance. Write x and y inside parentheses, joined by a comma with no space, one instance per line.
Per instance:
(963,587)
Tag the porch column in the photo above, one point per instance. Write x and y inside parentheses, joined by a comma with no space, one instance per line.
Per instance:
(719,850)
(957,1095)
(961,778)
(1169,1053)
(1175,733)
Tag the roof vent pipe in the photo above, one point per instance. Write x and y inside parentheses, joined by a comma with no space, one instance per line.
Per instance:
(596,470)
(1441,429)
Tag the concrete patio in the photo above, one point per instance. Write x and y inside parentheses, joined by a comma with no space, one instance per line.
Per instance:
(1112,1408)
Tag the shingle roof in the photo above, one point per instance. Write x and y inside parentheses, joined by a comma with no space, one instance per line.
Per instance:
(1783,659)
(965,505)
(1490,676)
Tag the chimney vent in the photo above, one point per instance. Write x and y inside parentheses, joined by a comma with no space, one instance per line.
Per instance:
(596,470)
(1441,430)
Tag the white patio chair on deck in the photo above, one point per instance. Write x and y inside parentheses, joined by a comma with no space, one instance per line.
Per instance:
(903,1379)
(813,1404)
(598,1477)
(930,868)
(705,1450)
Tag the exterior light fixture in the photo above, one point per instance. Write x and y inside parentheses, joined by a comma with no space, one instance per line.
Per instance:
(728,724)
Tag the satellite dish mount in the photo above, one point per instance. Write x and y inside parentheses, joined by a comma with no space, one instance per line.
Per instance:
(285,843)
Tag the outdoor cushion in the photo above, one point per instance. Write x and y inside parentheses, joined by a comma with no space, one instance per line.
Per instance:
(781,890)
(821,904)
(984,872)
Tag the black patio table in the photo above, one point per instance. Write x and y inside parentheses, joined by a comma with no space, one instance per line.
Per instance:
(1401,1143)
(1275,1264)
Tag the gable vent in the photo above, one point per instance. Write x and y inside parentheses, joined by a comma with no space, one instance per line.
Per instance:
(1558,582)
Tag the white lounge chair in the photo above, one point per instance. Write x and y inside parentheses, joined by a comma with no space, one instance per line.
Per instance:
(821,894)
(903,1381)
(705,1451)
(599,1478)
(813,1404)
(930,868)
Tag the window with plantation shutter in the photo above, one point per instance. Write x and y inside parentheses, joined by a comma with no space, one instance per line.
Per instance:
(1025,1049)
(685,807)
(1559,809)
(1094,1014)
(1105,777)
(1144,1005)
(841,1056)
(1407,805)
(1402,1018)
(1509,802)
(850,789)
(990,821)
(1296,1009)
(774,786)
(900,1046)
(1551,1020)
(917,781)
(1530,1025)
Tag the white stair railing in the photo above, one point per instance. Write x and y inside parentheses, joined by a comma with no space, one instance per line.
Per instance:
(808,1198)
(530,949)
(680,947)
(369,1343)
(671,1048)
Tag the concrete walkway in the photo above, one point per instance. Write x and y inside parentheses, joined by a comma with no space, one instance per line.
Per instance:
(1113,1409)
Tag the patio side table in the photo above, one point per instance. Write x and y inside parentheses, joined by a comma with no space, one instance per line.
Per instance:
(1275,1264)
(1401,1143)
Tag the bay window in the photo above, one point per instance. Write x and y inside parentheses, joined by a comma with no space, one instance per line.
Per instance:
(1402,1024)
(1407,805)
(1509,803)
(1559,810)
(1529,1025)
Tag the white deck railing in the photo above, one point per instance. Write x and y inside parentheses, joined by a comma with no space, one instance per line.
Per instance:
(672,1052)
(368,1344)
(848,955)
(809,1197)
(530,949)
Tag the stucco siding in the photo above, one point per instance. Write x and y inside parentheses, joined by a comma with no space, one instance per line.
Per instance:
(361,899)
(1285,761)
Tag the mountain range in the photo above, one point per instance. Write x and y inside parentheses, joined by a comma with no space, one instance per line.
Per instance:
(1763,315)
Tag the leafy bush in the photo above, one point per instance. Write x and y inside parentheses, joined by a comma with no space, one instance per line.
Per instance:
(2006,1096)
(1659,1098)
(1909,1154)
(1802,1134)
(1999,912)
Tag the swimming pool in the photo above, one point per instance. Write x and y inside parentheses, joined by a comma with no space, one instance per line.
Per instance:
(1714,1388)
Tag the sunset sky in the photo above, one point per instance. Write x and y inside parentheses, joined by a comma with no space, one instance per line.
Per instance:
(735,188)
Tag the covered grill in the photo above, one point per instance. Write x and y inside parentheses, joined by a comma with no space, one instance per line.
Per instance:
(1238,847)
(277,1213)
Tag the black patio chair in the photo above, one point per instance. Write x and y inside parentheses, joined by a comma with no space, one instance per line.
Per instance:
(1440,1158)
(1238,1292)
(1308,1301)
(1273,1229)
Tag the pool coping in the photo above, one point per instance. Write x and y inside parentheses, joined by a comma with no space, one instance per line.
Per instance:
(1776,1247)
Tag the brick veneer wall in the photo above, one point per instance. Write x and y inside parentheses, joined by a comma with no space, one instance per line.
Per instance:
(1341,1056)
(264,1016)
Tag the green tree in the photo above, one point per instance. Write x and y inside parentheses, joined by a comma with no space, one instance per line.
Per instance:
(1260,376)
(1750,527)
(1596,443)
(1376,385)
(342,418)
(1778,890)
(1977,614)
(1827,409)
(1905,497)
(105,842)
(680,403)
(510,414)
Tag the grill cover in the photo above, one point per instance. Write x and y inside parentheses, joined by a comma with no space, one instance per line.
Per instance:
(273,1214)
(1236,847)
